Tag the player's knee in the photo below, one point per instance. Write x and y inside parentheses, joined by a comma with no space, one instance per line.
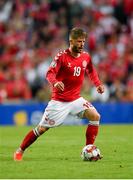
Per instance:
(95,117)
(39,130)
(92,115)
(42,129)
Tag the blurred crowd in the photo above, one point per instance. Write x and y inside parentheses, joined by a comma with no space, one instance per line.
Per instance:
(33,31)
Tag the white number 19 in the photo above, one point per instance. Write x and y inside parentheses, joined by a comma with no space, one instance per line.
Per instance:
(77,71)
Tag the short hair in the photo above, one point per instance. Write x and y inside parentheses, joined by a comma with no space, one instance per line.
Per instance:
(76,33)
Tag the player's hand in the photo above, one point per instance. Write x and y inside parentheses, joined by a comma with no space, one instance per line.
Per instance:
(59,85)
(100,89)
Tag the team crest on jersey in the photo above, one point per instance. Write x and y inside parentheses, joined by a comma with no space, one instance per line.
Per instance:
(84,63)
(53,64)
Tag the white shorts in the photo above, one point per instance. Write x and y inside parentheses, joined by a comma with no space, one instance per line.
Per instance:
(56,112)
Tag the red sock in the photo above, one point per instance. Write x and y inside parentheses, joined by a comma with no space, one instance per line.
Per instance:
(91,133)
(28,140)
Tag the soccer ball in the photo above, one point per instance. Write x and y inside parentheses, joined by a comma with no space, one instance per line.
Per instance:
(90,153)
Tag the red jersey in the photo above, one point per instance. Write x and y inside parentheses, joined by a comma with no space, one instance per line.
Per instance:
(70,70)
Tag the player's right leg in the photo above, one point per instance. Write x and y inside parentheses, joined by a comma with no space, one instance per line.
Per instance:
(54,115)
(28,140)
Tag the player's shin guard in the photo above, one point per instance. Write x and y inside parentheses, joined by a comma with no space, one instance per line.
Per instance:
(91,132)
(29,139)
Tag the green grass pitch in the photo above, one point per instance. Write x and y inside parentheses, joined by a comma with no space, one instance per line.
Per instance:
(56,154)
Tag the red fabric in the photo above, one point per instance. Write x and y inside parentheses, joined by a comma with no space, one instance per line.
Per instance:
(128,4)
(92,41)
(18,89)
(91,134)
(2,76)
(70,71)
(28,140)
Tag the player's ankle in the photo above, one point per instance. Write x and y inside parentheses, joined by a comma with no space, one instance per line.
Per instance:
(20,150)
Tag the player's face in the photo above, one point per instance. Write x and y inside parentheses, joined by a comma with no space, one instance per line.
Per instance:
(77,45)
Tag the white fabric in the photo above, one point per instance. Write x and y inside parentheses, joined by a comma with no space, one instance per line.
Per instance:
(56,112)
(96,123)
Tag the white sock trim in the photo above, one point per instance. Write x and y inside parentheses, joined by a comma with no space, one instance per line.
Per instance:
(95,123)
(36,132)
(19,150)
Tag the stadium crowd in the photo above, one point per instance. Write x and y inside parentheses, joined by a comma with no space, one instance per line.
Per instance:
(33,31)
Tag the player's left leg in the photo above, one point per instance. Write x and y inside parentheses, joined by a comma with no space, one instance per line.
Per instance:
(92,129)
(85,109)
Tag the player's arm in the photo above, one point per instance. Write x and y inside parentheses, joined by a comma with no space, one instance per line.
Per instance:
(52,72)
(91,71)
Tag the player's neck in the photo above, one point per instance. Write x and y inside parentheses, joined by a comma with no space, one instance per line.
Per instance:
(74,54)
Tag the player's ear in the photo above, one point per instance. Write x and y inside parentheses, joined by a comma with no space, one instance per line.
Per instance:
(70,41)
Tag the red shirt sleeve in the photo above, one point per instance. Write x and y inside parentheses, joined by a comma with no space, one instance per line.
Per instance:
(91,72)
(53,70)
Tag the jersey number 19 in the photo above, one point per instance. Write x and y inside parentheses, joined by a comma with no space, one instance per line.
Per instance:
(77,71)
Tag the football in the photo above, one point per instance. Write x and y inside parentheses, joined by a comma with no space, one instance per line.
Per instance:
(90,153)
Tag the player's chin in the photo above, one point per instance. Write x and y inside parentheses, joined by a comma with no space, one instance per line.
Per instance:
(80,50)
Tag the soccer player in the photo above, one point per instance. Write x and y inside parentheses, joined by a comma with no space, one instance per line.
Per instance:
(66,75)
